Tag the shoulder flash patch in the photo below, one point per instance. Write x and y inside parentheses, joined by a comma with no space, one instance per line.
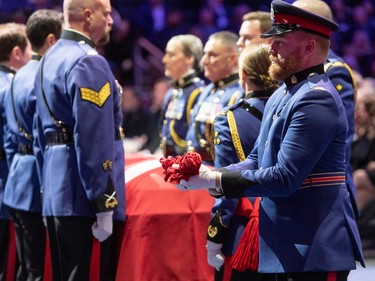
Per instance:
(95,97)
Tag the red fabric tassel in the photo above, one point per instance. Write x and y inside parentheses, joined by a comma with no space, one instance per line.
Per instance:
(247,252)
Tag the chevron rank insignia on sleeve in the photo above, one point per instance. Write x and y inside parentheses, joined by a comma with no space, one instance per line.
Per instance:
(95,97)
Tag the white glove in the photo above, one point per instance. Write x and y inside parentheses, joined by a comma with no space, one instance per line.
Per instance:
(207,179)
(102,228)
(215,257)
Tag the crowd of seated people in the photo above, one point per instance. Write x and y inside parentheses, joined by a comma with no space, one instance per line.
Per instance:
(159,20)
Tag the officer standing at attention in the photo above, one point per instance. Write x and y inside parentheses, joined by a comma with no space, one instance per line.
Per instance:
(77,99)
(15,52)
(220,63)
(22,190)
(182,65)
(307,229)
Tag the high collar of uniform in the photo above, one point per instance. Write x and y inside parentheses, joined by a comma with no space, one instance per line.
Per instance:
(226,81)
(36,57)
(184,81)
(76,36)
(302,75)
(259,94)
(6,69)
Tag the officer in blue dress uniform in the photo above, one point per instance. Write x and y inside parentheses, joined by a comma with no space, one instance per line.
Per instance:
(77,103)
(22,190)
(15,53)
(220,62)
(182,65)
(307,228)
(235,130)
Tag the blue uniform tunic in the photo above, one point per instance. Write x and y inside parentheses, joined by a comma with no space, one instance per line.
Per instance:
(79,168)
(213,98)
(6,76)
(178,102)
(22,190)
(306,221)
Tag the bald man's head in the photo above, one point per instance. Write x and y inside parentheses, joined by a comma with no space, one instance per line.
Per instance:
(73,10)
(91,17)
(318,7)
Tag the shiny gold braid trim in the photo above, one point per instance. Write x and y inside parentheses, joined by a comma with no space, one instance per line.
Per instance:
(180,142)
(233,98)
(235,137)
(190,103)
(212,139)
(95,97)
(343,64)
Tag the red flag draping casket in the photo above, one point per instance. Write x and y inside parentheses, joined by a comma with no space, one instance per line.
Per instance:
(165,231)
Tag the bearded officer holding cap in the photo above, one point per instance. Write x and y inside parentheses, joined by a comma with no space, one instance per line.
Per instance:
(307,229)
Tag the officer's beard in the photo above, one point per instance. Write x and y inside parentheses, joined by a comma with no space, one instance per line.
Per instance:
(281,69)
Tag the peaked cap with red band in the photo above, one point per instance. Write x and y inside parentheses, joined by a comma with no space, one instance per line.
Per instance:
(286,18)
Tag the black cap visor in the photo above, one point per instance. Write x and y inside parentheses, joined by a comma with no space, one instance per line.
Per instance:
(278,29)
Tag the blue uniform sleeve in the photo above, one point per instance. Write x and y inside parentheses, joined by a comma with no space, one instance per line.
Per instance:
(342,78)
(38,144)
(10,143)
(307,137)
(92,83)
(9,139)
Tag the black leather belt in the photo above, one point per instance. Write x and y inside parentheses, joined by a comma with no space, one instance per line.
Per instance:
(3,156)
(66,138)
(25,149)
(57,138)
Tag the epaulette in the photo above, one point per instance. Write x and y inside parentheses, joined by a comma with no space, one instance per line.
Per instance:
(234,97)
(92,52)
(236,105)
(337,63)
(313,81)
(190,102)
(87,48)
(318,88)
